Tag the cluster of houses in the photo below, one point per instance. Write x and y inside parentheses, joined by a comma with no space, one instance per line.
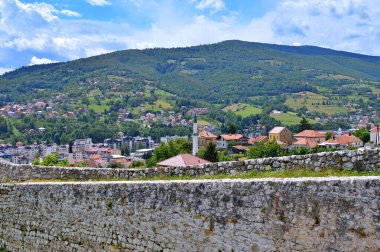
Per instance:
(141,148)
(82,151)
(238,143)
(309,139)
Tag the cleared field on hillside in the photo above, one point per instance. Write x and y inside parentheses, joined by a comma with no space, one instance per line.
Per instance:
(163,93)
(313,102)
(158,105)
(207,121)
(243,109)
(290,118)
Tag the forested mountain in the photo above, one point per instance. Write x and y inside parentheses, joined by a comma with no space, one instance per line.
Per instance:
(229,70)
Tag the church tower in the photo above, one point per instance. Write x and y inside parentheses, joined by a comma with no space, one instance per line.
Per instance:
(195,135)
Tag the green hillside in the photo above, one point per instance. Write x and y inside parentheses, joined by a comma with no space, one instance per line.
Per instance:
(223,72)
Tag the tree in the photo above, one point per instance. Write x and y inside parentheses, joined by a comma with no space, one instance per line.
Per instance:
(57,138)
(328,135)
(171,149)
(115,165)
(270,149)
(3,126)
(304,125)
(124,150)
(52,160)
(211,153)
(363,134)
(300,151)
(231,129)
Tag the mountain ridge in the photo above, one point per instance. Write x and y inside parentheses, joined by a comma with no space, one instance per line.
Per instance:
(216,69)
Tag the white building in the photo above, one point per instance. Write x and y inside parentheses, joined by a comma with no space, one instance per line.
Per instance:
(49,149)
(375,136)
(81,145)
(195,135)
(166,139)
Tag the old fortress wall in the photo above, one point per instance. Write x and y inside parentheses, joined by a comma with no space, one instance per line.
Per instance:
(325,214)
(306,214)
(360,160)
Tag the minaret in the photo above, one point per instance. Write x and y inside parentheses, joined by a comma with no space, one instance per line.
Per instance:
(195,135)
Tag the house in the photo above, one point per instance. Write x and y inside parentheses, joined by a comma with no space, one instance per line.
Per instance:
(312,135)
(81,145)
(343,142)
(281,135)
(19,159)
(205,137)
(375,135)
(166,139)
(303,142)
(136,143)
(223,141)
(182,160)
(239,149)
(256,140)
(275,113)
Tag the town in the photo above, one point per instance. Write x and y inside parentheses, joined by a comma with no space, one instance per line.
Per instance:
(128,151)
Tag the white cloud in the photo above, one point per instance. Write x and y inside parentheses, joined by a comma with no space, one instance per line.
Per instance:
(43,9)
(4,70)
(214,5)
(98,2)
(70,13)
(351,25)
(39,61)
(96,51)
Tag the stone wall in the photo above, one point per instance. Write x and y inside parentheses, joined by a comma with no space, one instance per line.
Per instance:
(362,160)
(314,214)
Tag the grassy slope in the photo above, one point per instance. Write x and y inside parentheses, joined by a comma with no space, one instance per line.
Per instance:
(243,109)
(290,118)
(311,103)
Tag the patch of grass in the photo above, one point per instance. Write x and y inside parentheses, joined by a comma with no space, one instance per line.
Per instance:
(163,93)
(273,174)
(290,118)
(335,77)
(243,109)
(206,121)
(99,108)
(313,102)
(357,97)
(158,105)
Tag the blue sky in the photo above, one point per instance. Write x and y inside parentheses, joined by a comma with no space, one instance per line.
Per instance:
(43,31)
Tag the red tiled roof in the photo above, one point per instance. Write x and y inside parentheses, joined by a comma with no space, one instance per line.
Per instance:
(277,130)
(374,129)
(257,139)
(230,137)
(310,133)
(345,139)
(206,134)
(95,156)
(240,147)
(306,142)
(183,160)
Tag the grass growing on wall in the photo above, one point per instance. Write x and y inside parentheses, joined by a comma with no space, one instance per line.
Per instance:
(248,175)
(272,174)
